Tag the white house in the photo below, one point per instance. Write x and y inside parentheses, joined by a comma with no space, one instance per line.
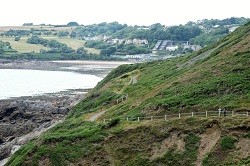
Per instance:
(172,48)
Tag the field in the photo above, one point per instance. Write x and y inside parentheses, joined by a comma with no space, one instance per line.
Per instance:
(73,43)
(6,28)
(23,47)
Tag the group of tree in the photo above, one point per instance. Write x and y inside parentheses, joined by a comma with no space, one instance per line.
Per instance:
(210,36)
(56,47)
(5,47)
(20,33)
(121,49)
(224,22)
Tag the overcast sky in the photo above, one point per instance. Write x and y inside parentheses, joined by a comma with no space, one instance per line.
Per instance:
(131,12)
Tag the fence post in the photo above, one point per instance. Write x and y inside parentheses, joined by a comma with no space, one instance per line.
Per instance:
(138,119)
(232,113)
(151,118)
(110,119)
(192,114)
(165,117)
(219,113)
(127,118)
(247,114)
(179,115)
(206,114)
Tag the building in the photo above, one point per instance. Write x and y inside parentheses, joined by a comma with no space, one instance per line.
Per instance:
(172,47)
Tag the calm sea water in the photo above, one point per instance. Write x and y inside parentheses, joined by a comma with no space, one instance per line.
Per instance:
(17,83)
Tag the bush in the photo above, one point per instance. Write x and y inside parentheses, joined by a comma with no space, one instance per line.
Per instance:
(113,123)
(17,38)
(227,143)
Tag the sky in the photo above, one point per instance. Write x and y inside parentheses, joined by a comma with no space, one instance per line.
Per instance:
(131,12)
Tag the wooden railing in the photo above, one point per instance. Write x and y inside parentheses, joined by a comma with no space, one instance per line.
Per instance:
(205,114)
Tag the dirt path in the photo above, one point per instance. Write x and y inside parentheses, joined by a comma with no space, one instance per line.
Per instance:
(133,80)
(96,116)
(208,141)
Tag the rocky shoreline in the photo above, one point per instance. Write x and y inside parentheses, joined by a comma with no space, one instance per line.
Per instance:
(24,118)
(28,116)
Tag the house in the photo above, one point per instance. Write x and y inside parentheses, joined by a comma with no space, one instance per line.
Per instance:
(140,42)
(192,47)
(172,48)
(129,41)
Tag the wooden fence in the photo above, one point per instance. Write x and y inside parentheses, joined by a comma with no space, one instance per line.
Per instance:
(205,114)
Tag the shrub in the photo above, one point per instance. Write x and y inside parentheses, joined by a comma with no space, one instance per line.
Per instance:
(227,143)
(113,123)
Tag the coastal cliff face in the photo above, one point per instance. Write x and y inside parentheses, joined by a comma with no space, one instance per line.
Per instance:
(214,77)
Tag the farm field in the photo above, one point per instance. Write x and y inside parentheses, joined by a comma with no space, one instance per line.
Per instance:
(73,43)
(22,46)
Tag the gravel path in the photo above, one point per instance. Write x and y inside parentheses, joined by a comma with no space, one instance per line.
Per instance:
(96,116)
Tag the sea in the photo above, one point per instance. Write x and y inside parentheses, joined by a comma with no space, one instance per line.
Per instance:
(20,83)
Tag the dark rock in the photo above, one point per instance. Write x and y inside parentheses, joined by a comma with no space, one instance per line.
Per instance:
(5,152)
(7,112)
(1,140)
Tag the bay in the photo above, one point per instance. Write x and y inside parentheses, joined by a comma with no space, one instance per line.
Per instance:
(20,82)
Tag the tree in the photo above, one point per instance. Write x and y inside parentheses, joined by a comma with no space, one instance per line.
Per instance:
(1,51)
(63,33)
(108,51)
(81,50)
(73,35)
(17,38)
(72,24)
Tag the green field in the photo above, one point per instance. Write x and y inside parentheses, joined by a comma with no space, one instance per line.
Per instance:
(73,43)
(22,46)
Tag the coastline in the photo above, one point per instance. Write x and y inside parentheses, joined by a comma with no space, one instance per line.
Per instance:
(28,117)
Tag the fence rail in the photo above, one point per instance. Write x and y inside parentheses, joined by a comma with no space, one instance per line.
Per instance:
(205,114)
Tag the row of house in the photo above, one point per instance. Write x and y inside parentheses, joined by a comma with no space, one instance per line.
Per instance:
(118,41)
(170,45)
(128,41)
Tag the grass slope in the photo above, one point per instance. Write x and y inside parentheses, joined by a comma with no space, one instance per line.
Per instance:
(217,76)
(74,43)
(22,46)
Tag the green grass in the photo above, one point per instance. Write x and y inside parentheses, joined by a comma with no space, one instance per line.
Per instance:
(73,43)
(22,46)
(227,143)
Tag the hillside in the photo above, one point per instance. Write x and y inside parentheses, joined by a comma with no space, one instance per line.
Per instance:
(22,46)
(108,39)
(215,77)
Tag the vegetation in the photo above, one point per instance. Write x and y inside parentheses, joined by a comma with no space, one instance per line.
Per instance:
(203,32)
(216,76)
(54,56)
(56,46)
(121,49)
(227,143)
(5,47)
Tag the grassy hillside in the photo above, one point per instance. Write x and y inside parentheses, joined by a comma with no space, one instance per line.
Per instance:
(74,43)
(216,76)
(22,46)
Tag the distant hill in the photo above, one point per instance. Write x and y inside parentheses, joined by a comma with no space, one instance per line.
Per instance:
(108,39)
